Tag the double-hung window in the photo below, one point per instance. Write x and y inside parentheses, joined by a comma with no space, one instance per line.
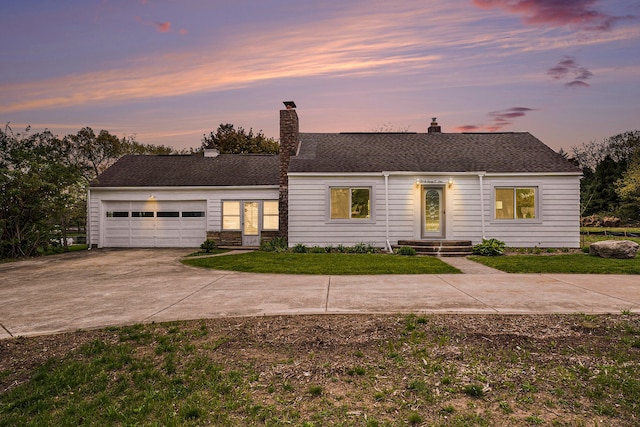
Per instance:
(231,215)
(270,215)
(350,203)
(516,202)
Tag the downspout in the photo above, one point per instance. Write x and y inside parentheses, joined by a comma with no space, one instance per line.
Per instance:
(88,224)
(481,175)
(386,209)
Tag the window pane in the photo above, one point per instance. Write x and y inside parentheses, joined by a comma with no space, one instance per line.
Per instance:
(231,208)
(270,207)
(192,214)
(117,214)
(340,203)
(142,214)
(360,203)
(270,222)
(504,203)
(526,203)
(168,214)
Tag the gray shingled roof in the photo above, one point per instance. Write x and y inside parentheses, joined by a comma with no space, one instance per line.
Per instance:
(426,152)
(160,171)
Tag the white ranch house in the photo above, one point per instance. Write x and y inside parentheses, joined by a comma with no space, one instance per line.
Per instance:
(330,189)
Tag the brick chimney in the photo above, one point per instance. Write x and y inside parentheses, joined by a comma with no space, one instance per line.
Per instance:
(289,142)
(434,128)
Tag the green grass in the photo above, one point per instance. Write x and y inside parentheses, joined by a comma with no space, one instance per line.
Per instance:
(537,371)
(570,263)
(330,264)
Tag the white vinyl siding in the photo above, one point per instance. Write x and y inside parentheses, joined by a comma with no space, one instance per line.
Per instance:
(556,223)
(310,220)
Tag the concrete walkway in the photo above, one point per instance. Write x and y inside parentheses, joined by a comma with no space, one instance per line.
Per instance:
(101,288)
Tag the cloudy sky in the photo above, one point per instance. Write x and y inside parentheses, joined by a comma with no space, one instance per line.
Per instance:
(568,71)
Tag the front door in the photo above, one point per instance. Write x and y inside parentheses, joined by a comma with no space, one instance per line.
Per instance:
(251,225)
(433,212)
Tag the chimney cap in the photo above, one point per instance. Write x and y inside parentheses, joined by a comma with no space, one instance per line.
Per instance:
(289,104)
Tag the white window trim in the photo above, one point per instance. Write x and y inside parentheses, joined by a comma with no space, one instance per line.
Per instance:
(351,184)
(519,184)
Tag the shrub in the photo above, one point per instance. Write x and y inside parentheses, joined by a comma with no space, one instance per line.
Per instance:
(489,247)
(364,248)
(406,250)
(208,245)
(277,244)
(300,248)
(317,250)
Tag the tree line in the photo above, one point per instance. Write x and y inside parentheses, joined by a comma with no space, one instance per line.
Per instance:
(611,176)
(44,178)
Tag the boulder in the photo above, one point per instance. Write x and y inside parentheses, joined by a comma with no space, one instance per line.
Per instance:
(614,249)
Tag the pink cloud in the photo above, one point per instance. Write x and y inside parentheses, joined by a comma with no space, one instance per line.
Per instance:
(569,66)
(557,13)
(163,27)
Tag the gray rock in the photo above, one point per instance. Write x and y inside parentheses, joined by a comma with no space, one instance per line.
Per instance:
(614,249)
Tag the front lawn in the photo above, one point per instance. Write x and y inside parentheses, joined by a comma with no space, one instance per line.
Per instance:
(570,263)
(330,264)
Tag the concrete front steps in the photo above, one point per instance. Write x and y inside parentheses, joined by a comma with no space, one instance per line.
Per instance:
(448,248)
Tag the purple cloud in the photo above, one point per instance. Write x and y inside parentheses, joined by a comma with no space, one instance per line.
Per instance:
(581,14)
(568,66)
(498,120)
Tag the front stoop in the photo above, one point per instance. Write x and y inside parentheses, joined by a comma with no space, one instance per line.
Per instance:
(442,248)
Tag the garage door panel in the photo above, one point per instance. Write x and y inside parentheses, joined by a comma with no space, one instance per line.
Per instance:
(163,227)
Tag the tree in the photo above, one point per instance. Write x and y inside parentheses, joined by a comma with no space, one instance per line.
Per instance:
(101,151)
(37,176)
(604,163)
(229,140)
(628,189)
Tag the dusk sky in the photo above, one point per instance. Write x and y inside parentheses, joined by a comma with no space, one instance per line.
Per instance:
(568,71)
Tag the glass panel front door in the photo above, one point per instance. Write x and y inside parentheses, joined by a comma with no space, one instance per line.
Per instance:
(433,212)
(251,226)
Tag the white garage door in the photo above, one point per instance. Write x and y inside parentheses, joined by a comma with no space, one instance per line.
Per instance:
(154,224)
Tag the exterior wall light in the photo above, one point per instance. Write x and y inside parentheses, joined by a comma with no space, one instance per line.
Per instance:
(450,182)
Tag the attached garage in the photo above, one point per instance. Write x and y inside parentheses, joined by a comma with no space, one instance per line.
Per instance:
(154,224)
(177,201)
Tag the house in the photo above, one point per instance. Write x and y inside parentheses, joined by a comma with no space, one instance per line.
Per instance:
(330,189)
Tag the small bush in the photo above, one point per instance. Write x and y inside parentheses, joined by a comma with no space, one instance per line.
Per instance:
(208,245)
(489,247)
(277,244)
(317,250)
(300,248)
(364,248)
(406,250)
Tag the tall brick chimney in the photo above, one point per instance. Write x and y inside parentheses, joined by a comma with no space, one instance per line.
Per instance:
(289,141)
(434,128)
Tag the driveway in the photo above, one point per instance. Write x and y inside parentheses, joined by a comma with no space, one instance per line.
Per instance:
(109,287)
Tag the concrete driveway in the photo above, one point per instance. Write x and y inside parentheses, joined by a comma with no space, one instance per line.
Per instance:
(110,287)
